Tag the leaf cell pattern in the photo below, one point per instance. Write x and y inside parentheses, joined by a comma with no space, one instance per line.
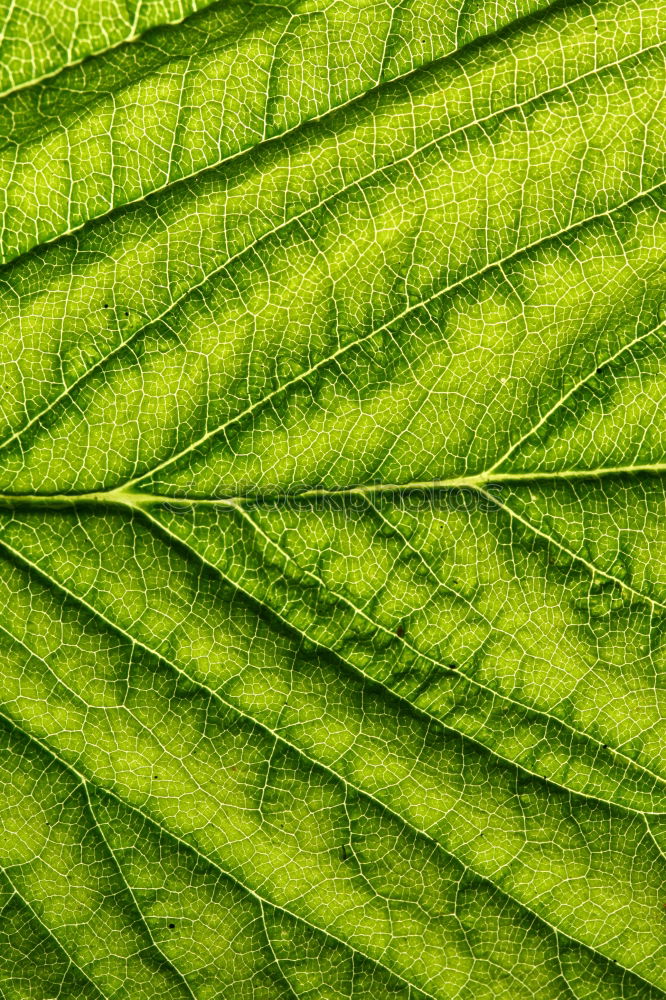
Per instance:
(332,511)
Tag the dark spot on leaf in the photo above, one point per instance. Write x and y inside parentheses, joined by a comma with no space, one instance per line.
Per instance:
(453,666)
(172,926)
(343,853)
(400,631)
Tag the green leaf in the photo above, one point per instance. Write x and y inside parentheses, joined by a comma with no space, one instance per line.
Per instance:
(332,510)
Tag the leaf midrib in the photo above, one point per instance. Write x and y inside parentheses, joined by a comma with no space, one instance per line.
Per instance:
(165,501)
(129,497)
(125,497)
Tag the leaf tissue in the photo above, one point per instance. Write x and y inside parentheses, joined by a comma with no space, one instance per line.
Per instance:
(332,508)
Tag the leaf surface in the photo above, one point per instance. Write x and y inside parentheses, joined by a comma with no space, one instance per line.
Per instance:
(332,513)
